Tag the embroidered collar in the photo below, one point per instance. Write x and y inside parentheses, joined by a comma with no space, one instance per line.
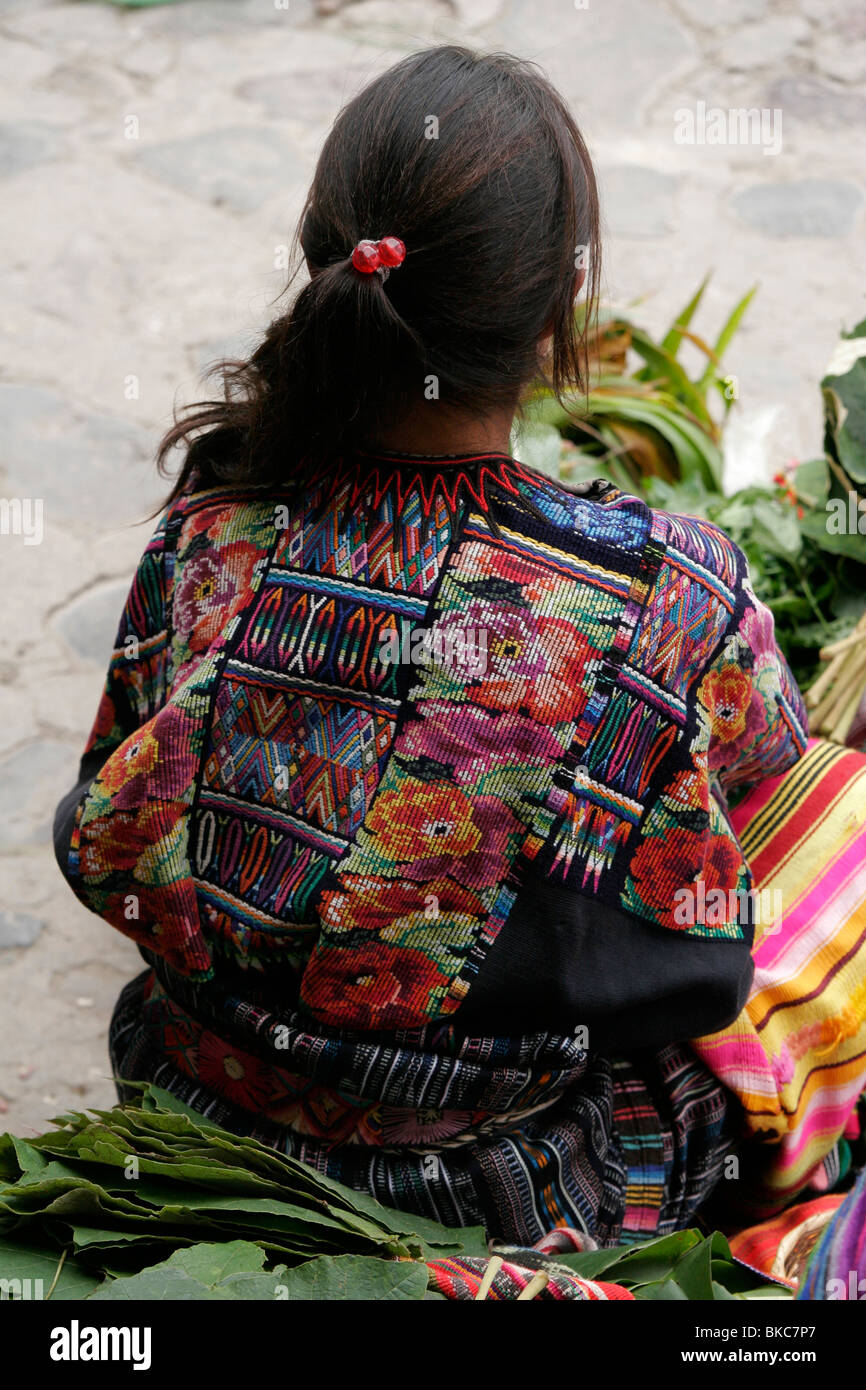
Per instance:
(454,479)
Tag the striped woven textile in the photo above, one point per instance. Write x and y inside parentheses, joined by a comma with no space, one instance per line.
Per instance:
(461,1279)
(778,1247)
(796,1055)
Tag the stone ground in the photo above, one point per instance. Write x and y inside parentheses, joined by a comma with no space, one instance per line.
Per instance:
(153,162)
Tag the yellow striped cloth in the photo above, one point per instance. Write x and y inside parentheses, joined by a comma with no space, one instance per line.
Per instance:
(796,1055)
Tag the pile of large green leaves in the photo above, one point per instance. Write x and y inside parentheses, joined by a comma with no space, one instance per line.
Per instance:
(154,1202)
(139,1200)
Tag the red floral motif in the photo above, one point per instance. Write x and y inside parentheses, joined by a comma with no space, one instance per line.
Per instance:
(103,725)
(425,1126)
(372,987)
(725,695)
(689,791)
(664,865)
(374,904)
(535,665)
(242,1079)
(736,751)
(435,829)
(115,843)
(472,741)
(154,762)
(535,581)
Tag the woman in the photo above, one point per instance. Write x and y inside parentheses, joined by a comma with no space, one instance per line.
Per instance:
(411,762)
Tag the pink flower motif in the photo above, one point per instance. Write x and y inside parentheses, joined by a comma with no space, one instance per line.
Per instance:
(210,591)
(472,741)
(154,764)
(533,665)
(758,629)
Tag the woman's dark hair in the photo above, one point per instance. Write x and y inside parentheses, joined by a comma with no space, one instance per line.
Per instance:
(475,163)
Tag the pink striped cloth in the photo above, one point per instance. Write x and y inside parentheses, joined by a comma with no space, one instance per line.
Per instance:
(796,1055)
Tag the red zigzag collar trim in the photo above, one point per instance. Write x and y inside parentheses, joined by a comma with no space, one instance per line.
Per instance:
(455,478)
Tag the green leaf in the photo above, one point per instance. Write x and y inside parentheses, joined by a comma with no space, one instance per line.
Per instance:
(664,367)
(204,1271)
(673,338)
(641,1263)
(841,542)
(844,393)
(155,1099)
(694,1274)
(723,341)
(356,1277)
(695,451)
(21,1259)
(811,480)
(666,1289)
(236,1271)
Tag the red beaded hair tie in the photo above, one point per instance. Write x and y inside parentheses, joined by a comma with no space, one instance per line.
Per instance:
(378,255)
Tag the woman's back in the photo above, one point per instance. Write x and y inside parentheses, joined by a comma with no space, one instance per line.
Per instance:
(437,881)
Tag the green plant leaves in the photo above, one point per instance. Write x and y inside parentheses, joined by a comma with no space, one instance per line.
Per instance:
(235,1271)
(355,1277)
(127,1189)
(51,1272)
(684,1265)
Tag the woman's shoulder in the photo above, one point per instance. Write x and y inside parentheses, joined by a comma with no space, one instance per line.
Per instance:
(611,518)
(218,516)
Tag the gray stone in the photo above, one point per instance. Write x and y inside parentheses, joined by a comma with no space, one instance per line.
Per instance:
(238,168)
(636,201)
(608,61)
(313,96)
(763,45)
(476,13)
(83,466)
(26,143)
(205,18)
(806,208)
(846,16)
(842,56)
(89,623)
(807,99)
(18,929)
(32,780)
(712,16)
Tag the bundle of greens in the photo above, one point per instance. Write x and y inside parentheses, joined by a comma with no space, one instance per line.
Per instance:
(126,1202)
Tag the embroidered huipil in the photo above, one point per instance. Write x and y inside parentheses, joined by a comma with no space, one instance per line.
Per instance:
(410,783)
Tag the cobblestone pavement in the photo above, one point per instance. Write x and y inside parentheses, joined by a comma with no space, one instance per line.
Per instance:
(153,162)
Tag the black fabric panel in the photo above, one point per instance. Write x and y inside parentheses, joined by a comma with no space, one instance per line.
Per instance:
(563,960)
